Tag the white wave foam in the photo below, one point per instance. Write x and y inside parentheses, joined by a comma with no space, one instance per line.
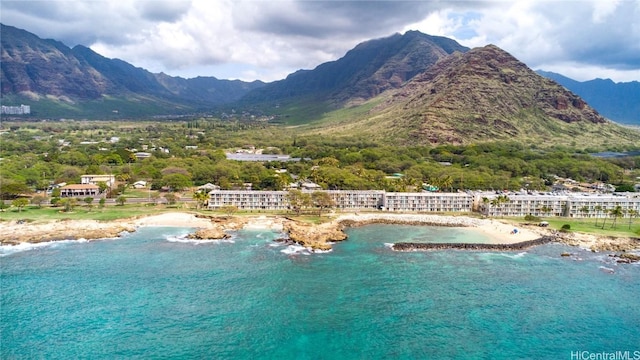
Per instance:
(506,254)
(185,240)
(317,251)
(606,269)
(296,250)
(6,250)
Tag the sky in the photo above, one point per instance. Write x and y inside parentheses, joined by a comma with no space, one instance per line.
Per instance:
(267,40)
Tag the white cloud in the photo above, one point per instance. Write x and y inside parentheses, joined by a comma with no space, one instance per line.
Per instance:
(270,39)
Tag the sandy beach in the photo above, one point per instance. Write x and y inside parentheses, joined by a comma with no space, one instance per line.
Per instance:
(499,232)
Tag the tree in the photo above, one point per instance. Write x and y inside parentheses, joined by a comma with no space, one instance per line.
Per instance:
(616,213)
(447,182)
(632,214)
(545,209)
(597,209)
(20,203)
(12,190)
(102,186)
(155,197)
(55,201)
(88,200)
(297,200)
(38,200)
(176,181)
(121,200)
(102,202)
(229,209)
(584,210)
(485,202)
(200,197)
(494,202)
(322,200)
(68,204)
(606,214)
(171,198)
(503,199)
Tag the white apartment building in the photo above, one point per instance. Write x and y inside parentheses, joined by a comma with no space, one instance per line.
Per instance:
(249,200)
(428,202)
(578,205)
(358,199)
(110,180)
(347,200)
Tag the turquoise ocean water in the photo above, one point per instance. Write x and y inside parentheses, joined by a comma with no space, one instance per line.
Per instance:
(153,294)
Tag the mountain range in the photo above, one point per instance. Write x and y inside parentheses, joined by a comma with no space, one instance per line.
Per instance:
(617,101)
(414,88)
(75,80)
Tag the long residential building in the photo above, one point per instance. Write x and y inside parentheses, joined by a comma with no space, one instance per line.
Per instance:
(578,205)
(428,202)
(347,200)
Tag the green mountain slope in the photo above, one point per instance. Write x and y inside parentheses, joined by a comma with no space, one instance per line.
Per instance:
(483,95)
(366,71)
(619,102)
(58,81)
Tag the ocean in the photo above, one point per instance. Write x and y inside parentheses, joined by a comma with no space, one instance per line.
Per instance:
(154,294)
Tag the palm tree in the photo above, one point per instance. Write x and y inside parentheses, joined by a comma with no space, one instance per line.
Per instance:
(447,182)
(632,213)
(606,214)
(200,197)
(584,210)
(616,213)
(598,209)
(495,202)
(545,209)
(485,203)
(503,199)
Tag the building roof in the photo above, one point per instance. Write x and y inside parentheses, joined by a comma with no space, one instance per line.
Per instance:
(79,187)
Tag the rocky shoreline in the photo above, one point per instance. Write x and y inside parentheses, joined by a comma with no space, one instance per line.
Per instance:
(315,236)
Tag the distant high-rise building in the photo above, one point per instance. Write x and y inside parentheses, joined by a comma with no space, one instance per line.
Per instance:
(16,110)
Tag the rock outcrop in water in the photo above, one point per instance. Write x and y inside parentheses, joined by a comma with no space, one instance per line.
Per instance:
(406,246)
(317,237)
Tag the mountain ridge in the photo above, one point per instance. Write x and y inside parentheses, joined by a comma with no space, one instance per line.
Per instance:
(365,71)
(618,101)
(35,68)
(485,94)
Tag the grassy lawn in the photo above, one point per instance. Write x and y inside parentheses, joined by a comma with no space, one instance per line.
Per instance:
(83,213)
(589,226)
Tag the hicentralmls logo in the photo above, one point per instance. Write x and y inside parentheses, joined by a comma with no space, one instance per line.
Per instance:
(614,355)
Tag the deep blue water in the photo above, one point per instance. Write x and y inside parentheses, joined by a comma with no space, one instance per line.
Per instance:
(149,295)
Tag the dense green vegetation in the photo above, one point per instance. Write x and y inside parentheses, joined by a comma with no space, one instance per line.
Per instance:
(192,152)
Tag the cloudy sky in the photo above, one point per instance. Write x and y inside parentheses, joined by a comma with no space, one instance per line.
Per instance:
(266,40)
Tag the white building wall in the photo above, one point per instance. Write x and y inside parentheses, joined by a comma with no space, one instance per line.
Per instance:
(559,205)
(347,200)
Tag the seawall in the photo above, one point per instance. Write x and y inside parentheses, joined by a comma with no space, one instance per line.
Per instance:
(407,246)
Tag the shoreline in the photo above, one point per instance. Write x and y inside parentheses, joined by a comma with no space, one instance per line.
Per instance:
(319,237)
